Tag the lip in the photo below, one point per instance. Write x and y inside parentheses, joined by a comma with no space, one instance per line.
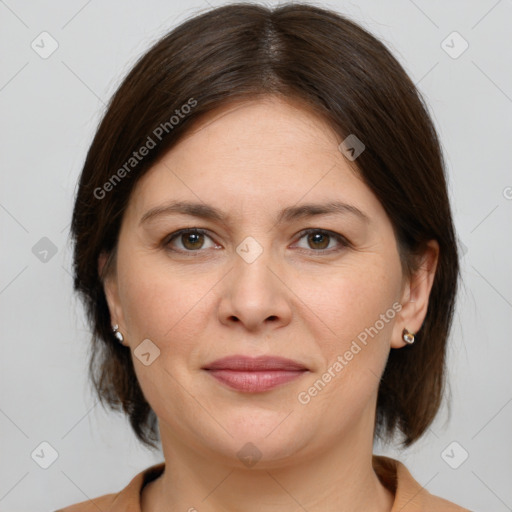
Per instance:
(260,363)
(255,374)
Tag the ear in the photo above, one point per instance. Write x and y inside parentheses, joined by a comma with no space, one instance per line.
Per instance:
(111,290)
(415,295)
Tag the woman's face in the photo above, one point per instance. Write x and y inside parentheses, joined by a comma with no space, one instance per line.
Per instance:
(252,283)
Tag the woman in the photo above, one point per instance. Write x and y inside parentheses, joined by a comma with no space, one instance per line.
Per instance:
(264,243)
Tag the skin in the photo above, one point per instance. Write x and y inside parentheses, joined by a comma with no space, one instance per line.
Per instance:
(303,298)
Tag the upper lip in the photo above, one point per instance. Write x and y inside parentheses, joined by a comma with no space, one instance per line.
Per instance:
(247,363)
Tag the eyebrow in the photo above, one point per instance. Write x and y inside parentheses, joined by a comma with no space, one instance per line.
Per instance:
(288,214)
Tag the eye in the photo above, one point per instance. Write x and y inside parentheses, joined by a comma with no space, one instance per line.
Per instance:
(191,239)
(319,240)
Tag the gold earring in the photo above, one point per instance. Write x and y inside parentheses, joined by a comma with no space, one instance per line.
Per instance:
(408,337)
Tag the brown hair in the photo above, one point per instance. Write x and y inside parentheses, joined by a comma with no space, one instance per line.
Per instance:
(347,76)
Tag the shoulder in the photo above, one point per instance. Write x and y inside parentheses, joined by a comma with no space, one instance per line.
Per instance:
(101,503)
(128,499)
(410,496)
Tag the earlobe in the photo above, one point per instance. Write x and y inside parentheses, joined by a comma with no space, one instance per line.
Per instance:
(415,298)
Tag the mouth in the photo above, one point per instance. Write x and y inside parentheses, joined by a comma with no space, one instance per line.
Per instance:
(255,374)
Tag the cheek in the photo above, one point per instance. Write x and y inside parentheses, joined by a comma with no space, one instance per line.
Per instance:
(354,314)
(350,302)
(163,304)
(354,348)
(171,309)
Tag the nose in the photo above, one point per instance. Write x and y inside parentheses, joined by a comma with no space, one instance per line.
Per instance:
(254,294)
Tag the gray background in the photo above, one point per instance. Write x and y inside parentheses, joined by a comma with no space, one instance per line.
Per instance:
(49,110)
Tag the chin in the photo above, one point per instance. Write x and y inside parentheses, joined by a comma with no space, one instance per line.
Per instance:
(260,452)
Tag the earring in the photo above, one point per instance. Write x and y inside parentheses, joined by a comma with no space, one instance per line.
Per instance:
(117,333)
(408,337)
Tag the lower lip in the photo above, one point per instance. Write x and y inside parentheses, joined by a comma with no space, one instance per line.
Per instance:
(255,381)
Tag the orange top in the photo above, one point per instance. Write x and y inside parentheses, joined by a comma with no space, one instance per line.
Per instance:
(410,496)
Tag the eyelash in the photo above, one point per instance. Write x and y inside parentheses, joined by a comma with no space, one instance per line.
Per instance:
(341,240)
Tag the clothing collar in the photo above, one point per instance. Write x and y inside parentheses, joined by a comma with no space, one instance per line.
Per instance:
(410,496)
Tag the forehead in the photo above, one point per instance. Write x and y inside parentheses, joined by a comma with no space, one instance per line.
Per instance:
(289,115)
(260,153)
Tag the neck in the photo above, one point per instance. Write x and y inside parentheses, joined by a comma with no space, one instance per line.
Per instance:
(340,478)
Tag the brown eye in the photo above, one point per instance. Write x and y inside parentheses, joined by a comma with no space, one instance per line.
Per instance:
(319,240)
(191,240)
